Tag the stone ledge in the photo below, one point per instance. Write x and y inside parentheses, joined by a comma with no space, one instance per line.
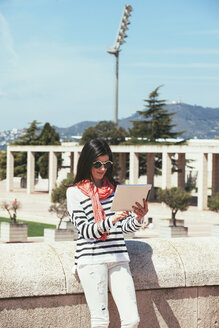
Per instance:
(41,269)
(200,258)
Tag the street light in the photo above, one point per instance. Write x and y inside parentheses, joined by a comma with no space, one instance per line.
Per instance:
(121,35)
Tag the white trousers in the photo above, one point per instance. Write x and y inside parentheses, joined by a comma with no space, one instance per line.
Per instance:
(95,279)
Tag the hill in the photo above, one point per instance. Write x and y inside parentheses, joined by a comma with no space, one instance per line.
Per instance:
(198,122)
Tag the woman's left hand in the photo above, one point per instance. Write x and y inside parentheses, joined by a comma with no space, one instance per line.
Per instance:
(140,210)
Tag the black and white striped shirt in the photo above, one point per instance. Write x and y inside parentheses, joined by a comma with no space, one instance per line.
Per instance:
(90,249)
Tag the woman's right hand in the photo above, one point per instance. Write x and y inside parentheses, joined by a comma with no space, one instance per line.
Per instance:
(120,215)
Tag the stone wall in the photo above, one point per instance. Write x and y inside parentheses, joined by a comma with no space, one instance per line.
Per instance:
(176,282)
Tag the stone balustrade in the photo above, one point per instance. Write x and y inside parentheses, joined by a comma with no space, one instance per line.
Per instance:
(176,283)
(206,154)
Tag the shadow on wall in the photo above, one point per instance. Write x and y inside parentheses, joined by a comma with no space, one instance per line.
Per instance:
(155,299)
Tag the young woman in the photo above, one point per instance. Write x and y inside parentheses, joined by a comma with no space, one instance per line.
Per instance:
(101,258)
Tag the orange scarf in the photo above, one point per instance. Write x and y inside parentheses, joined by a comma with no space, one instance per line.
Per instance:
(91,190)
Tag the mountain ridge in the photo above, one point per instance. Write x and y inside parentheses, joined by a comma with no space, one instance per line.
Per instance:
(197,122)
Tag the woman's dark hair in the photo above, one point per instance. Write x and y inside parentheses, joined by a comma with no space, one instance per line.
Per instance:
(91,150)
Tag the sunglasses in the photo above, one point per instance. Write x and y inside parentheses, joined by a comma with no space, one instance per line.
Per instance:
(98,164)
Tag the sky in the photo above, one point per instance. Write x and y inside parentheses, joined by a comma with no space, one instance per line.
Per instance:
(54,65)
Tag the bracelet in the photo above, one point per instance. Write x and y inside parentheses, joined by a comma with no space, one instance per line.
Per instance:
(100,230)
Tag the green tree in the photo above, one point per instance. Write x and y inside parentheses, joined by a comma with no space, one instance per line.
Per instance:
(107,130)
(48,136)
(176,199)
(34,135)
(3,161)
(59,192)
(156,123)
(29,137)
(58,198)
(213,203)
(88,134)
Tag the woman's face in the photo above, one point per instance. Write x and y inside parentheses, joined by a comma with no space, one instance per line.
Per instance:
(99,173)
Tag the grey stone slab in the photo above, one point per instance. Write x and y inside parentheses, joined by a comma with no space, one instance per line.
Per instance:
(34,269)
(208,307)
(200,258)
(155,264)
(168,308)
(66,252)
(30,270)
(69,311)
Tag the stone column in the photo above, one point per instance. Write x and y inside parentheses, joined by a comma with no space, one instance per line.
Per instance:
(71,162)
(203,181)
(150,173)
(52,170)
(76,158)
(215,174)
(10,170)
(30,171)
(181,168)
(150,168)
(122,167)
(166,170)
(133,168)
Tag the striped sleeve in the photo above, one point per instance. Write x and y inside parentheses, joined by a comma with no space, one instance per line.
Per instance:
(81,216)
(130,224)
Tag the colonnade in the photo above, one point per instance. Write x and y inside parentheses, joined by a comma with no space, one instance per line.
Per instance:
(167,151)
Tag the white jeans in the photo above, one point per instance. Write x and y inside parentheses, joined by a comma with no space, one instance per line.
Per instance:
(95,279)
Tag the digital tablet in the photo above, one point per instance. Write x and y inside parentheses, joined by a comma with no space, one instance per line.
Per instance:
(126,196)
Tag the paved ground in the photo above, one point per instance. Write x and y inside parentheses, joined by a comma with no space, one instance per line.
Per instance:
(34,207)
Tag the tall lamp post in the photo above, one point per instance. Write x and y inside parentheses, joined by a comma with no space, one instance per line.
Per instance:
(115,51)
